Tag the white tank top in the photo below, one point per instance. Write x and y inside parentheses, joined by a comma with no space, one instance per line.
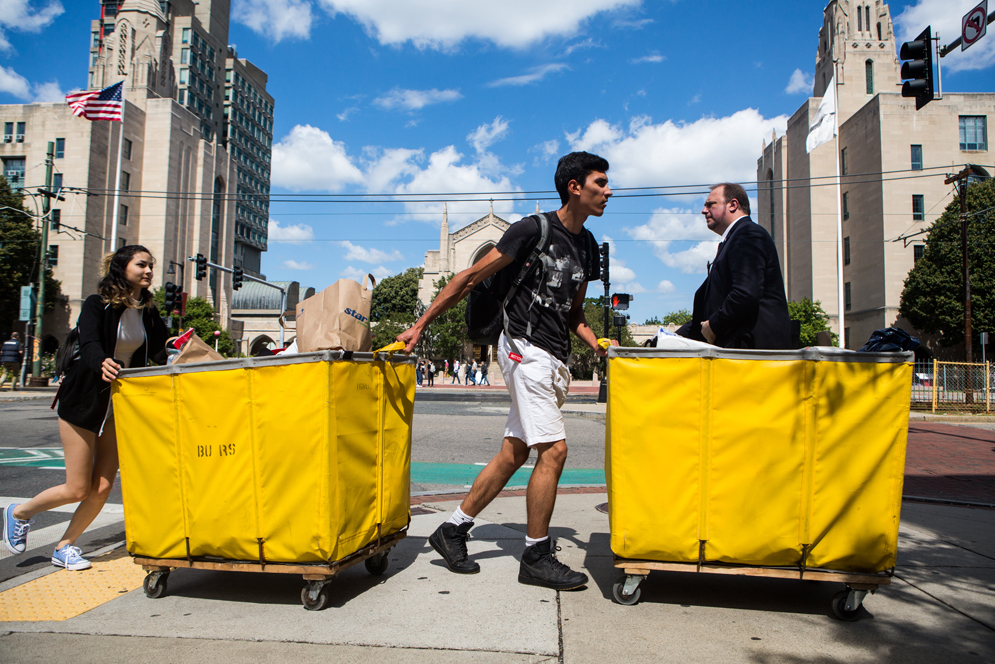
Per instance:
(130,335)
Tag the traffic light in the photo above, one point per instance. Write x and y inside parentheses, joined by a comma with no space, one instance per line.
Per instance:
(604,262)
(236,278)
(621,301)
(172,298)
(201,267)
(918,71)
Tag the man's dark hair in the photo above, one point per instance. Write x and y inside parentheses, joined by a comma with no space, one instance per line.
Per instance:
(576,166)
(732,191)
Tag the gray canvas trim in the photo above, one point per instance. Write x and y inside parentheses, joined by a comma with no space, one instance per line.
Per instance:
(812,354)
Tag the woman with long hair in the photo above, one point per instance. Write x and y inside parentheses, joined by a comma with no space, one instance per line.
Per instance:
(119,327)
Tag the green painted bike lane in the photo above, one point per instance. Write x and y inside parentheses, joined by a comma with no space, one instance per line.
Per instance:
(34,457)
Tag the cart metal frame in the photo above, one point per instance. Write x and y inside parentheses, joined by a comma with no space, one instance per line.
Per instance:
(314,596)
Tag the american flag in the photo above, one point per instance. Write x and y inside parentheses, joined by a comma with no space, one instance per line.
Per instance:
(104,104)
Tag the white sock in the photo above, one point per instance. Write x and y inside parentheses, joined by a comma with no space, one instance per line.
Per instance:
(532,542)
(459,518)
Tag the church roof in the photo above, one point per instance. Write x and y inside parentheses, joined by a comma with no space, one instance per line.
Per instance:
(148,6)
(487,220)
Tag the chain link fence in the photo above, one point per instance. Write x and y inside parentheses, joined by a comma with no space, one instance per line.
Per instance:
(952,386)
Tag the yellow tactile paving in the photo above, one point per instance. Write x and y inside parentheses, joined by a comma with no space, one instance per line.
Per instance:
(66,594)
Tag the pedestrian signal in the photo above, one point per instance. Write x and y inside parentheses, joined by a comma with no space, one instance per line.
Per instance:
(621,301)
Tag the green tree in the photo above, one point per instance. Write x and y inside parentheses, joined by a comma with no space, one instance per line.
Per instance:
(813,320)
(678,317)
(18,259)
(199,316)
(397,295)
(933,296)
(655,320)
(386,329)
(583,360)
(447,333)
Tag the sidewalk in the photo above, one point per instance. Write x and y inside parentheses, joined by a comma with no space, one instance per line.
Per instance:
(939,607)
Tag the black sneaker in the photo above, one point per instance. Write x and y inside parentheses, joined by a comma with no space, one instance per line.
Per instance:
(449,541)
(541,568)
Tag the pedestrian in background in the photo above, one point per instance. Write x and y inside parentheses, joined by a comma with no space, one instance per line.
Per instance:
(455,372)
(419,372)
(119,327)
(11,356)
(468,371)
(483,374)
(445,371)
(431,374)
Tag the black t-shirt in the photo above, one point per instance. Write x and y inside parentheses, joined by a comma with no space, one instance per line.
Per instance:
(545,297)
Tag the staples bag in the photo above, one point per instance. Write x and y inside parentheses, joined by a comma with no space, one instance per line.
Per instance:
(337,318)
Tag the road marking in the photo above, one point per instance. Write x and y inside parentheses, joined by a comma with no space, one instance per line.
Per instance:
(33,457)
(460,474)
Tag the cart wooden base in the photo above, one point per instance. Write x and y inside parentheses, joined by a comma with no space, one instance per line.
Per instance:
(846,603)
(315,594)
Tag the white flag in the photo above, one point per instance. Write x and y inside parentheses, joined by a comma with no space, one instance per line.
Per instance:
(823,126)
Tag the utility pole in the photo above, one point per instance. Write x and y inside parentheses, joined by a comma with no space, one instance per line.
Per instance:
(42,261)
(962,178)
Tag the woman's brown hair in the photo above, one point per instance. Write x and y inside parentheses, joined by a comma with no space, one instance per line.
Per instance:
(114,288)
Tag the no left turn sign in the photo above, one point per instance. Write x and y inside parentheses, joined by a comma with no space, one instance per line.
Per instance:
(974,25)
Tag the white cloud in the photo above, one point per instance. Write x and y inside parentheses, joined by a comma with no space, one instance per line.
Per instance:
(275,19)
(13,83)
(50,91)
(354,252)
(547,150)
(297,265)
(442,24)
(413,100)
(587,43)
(486,135)
(535,74)
(344,115)
(617,271)
(707,150)
(17,15)
(308,158)
(694,100)
(683,227)
(653,57)
(292,234)
(800,82)
(379,273)
(945,18)
(665,286)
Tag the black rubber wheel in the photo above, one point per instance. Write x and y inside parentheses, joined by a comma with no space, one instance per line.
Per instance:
(839,607)
(155,591)
(625,600)
(319,603)
(377,565)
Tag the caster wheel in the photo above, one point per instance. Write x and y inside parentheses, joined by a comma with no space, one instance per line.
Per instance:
(319,602)
(377,565)
(839,607)
(155,587)
(626,600)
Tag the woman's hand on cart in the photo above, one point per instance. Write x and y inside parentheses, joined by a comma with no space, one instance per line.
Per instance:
(109,369)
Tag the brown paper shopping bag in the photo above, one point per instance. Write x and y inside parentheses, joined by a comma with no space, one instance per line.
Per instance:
(337,318)
(196,350)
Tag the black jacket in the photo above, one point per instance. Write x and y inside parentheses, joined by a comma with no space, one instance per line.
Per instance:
(11,352)
(743,295)
(84,395)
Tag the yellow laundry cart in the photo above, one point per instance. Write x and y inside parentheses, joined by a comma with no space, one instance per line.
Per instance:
(293,464)
(783,464)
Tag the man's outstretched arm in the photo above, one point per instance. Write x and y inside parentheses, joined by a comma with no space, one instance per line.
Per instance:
(457,288)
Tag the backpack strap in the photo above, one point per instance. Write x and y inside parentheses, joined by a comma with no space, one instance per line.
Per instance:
(529,266)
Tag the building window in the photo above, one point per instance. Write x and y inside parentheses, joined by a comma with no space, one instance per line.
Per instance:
(867,17)
(57,183)
(19,138)
(125,181)
(183,76)
(846,296)
(55,216)
(53,255)
(846,205)
(770,187)
(918,208)
(122,217)
(846,251)
(869,75)
(973,132)
(879,32)
(60,148)
(184,56)
(843,167)
(13,170)
(127,149)
(8,132)
(917,157)
(918,251)
(186,36)
(860,20)
(846,337)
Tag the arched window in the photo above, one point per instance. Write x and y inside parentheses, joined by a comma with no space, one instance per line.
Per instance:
(770,187)
(879,32)
(869,75)
(860,19)
(867,17)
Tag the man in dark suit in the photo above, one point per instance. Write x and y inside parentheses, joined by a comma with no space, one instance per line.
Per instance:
(742,302)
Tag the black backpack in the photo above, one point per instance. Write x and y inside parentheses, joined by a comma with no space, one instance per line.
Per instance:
(68,354)
(486,316)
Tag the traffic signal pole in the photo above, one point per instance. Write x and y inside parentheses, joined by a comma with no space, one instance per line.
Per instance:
(605,278)
(283,291)
(42,262)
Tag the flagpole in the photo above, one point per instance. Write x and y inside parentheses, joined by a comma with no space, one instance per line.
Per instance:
(841,341)
(117,180)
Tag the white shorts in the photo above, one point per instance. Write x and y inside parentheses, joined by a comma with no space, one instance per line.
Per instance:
(538,386)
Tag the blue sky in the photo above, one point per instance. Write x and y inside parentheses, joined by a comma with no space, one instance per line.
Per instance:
(451,97)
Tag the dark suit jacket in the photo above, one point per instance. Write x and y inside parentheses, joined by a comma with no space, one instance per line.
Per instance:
(743,295)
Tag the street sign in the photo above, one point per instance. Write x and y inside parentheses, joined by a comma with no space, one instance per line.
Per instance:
(974,25)
(28,300)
